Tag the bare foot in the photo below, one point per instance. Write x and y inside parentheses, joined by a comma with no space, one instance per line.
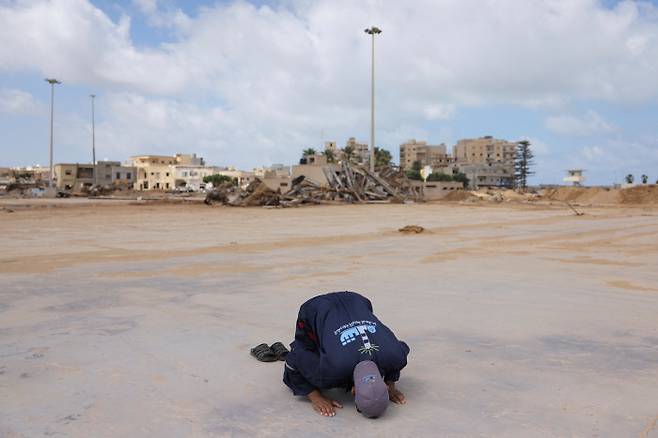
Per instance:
(323,405)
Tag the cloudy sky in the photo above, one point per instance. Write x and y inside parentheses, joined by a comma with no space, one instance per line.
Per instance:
(253,83)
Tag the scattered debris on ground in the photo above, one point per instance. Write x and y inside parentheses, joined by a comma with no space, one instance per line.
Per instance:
(417,229)
(347,184)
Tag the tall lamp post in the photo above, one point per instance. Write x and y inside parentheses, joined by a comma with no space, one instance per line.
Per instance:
(372,32)
(93,139)
(52,83)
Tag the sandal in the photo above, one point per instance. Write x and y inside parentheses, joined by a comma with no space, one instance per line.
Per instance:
(263,353)
(280,351)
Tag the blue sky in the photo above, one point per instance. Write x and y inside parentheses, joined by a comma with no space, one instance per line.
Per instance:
(253,83)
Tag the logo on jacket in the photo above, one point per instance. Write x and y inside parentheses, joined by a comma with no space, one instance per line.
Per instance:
(358,329)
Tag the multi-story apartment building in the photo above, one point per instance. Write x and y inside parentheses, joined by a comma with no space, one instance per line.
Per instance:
(486,161)
(360,152)
(434,156)
(484,150)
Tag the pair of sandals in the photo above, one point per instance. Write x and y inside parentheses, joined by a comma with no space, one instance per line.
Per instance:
(272,353)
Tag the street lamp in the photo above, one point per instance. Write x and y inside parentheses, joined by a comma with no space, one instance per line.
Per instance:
(52,83)
(372,31)
(93,138)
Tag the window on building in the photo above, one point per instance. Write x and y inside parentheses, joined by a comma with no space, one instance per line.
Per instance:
(67,172)
(152,173)
(118,175)
(128,175)
(167,174)
(167,185)
(146,185)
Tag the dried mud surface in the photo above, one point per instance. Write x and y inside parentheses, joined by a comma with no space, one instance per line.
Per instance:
(136,320)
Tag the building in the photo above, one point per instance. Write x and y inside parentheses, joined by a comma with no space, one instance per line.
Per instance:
(486,161)
(435,190)
(360,152)
(575,176)
(190,177)
(115,174)
(488,174)
(413,151)
(313,168)
(166,172)
(74,177)
(243,177)
(484,150)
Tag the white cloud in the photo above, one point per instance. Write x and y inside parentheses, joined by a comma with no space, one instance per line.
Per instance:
(247,82)
(19,102)
(589,124)
(592,152)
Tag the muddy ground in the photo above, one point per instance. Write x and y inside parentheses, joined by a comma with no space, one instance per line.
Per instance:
(136,320)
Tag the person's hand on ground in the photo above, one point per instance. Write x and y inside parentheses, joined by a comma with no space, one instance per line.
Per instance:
(323,405)
(395,395)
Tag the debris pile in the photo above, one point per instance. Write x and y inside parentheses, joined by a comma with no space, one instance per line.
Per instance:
(348,183)
(408,229)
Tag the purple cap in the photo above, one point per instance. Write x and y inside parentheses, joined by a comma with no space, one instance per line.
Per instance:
(370,391)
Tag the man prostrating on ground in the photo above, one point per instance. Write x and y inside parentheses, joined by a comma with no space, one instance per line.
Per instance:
(340,343)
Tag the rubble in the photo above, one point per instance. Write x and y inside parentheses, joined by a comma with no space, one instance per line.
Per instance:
(408,229)
(348,183)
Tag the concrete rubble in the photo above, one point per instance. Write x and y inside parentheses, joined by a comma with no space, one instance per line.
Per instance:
(349,183)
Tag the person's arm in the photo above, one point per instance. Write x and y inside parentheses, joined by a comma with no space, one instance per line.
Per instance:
(393,376)
(394,394)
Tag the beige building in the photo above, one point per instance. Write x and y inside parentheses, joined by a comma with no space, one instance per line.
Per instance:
(484,150)
(435,156)
(360,152)
(74,177)
(434,190)
(486,161)
(313,170)
(191,177)
(161,172)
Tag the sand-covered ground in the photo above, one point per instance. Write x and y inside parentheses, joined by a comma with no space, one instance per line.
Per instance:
(136,320)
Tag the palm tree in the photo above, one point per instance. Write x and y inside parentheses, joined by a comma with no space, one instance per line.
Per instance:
(331,157)
(307,152)
(522,164)
(383,157)
(629,178)
(348,151)
(645,179)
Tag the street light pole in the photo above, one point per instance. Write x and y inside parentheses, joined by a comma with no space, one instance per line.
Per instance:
(93,139)
(52,83)
(372,31)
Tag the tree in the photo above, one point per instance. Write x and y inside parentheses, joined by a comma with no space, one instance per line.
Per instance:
(329,153)
(383,157)
(438,176)
(629,178)
(307,152)
(414,175)
(416,165)
(348,151)
(645,179)
(462,178)
(218,179)
(523,164)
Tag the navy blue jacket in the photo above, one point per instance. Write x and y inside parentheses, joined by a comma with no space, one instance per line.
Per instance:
(333,333)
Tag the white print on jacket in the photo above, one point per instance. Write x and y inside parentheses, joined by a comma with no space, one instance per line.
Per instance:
(350,334)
